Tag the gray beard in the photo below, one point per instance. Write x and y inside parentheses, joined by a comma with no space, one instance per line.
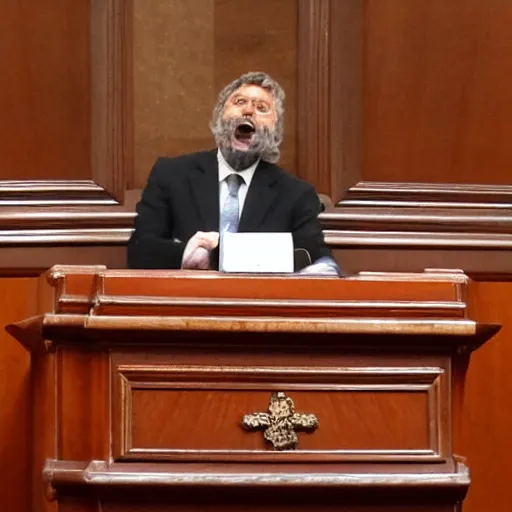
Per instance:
(263,144)
(239,160)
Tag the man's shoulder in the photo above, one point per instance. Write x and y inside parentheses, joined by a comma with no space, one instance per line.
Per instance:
(297,190)
(185,161)
(291,181)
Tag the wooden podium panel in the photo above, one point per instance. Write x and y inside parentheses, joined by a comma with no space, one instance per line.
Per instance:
(202,391)
(366,411)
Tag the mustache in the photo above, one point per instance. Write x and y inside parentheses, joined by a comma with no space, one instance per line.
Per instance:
(264,141)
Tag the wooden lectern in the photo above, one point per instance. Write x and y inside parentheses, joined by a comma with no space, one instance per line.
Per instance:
(195,391)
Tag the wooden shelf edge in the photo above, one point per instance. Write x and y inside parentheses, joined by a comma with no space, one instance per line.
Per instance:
(59,475)
(341,333)
(28,333)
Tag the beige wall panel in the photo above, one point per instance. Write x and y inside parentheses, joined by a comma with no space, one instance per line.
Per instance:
(173,74)
(186,51)
(260,36)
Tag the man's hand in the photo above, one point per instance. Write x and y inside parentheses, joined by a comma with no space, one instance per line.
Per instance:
(197,251)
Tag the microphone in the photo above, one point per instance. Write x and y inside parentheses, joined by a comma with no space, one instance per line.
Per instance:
(301,259)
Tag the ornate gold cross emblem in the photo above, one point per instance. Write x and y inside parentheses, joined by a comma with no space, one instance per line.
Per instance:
(281,422)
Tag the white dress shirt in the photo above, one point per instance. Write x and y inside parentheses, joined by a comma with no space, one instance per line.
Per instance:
(224,171)
(322,266)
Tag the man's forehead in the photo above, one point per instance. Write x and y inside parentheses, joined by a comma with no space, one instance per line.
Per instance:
(255,92)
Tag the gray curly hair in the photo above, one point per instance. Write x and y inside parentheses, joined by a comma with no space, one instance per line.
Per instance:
(253,78)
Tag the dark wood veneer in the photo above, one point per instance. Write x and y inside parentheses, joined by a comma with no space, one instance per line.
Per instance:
(145,403)
(47,212)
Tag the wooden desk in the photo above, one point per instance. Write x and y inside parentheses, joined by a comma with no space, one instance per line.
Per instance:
(156,390)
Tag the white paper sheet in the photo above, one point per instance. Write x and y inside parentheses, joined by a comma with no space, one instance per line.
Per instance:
(256,252)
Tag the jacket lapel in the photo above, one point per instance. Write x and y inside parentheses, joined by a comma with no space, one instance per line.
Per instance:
(260,196)
(204,182)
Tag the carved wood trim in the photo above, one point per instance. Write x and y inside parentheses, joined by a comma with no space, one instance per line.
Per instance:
(42,219)
(53,193)
(67,237)
(93,290)
(131,378)
(74,326)
(466,222)
(421,215)
(111,120)
(86,212)
(428,195)
(388,334)
(64,226)
(330,135)
(112,93)
(418,240)
(313,101)
(175,306)
(449,484)
(330,94)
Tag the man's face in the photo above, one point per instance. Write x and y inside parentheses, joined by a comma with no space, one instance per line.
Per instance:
(255,108)
(247,128)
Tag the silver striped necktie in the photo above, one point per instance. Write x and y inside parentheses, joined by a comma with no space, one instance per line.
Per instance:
(230,214)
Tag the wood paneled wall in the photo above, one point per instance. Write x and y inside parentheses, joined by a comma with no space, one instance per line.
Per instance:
(423,181)
(63,166)
(65,148)
(351,102)
(45,100)
(438,91)
(19,301)
(399,110)
(179,72)
(487,420)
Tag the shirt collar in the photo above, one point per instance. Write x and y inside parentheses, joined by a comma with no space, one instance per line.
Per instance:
(225,169)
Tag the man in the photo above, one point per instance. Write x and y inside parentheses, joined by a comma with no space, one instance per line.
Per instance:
(189,199)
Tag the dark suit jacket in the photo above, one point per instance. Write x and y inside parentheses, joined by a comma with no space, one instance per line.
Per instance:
(182,197)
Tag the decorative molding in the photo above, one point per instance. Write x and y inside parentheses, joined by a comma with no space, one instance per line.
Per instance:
(381,378)
(112,94)
(140,321)
(104,293)
(428,195)
(78,329)
(130,378)
(41,226)
(43,219)
(401,328)
(376,215)
(346,94)
(421,216)
(66,237)
(466,222)
(330,94)
(53,193)
(450,483)
(313,94)
(189,306)
(280,422)
(418,240)
(71,212)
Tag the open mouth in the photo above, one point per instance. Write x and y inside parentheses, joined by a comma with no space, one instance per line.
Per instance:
(243,135)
